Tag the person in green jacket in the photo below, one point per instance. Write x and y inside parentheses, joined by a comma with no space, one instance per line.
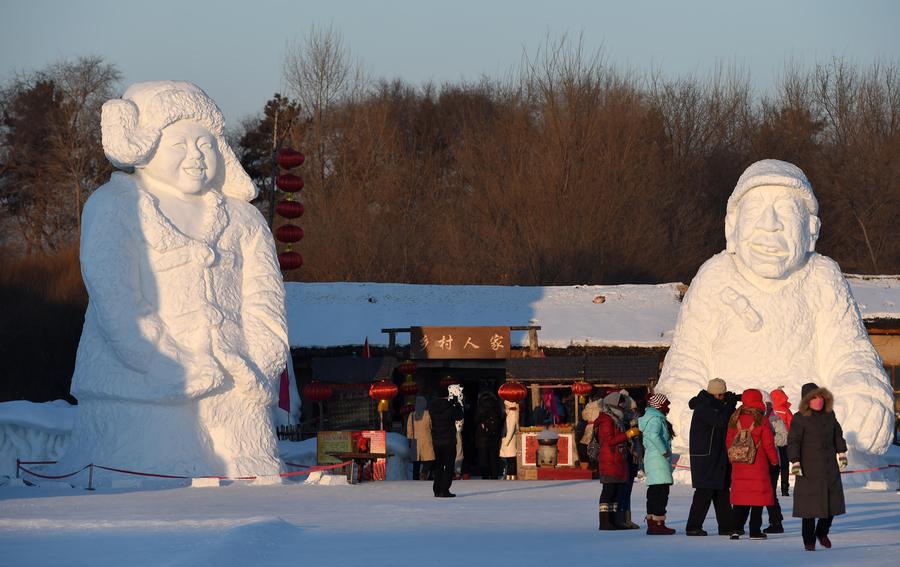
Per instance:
(657,435)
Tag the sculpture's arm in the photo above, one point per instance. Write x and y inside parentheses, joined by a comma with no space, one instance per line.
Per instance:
(686,368)
(110,267)
(851,369)
(262,308)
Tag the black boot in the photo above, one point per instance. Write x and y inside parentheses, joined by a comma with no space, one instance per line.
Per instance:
(606,517)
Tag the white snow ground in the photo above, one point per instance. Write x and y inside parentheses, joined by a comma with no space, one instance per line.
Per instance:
(492,523)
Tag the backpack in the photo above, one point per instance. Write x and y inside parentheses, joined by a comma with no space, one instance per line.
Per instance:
(743,448)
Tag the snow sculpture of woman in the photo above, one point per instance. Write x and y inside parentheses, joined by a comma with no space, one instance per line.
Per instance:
(185,332)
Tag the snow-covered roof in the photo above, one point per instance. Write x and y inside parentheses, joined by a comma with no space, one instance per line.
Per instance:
(337,314)
(878,296)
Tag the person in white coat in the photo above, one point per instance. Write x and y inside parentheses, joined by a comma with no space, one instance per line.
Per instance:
(509,442)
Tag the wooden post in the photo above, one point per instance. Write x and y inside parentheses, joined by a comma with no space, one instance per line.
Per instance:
(91,477)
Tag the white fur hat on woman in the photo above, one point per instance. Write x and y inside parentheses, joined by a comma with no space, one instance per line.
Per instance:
(131,127)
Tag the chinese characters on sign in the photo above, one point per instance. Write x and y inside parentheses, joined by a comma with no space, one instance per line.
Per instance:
(459,342)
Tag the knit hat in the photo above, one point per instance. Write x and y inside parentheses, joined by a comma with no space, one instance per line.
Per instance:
(752,398)
(716,386)
(658,400)
(807,388)
(767,399)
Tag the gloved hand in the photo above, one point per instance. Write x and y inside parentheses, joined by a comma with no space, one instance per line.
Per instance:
(632,433)
(842,461)
(796,470)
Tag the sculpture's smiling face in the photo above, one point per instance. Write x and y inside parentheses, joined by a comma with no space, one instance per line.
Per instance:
(186,158)
(773,231)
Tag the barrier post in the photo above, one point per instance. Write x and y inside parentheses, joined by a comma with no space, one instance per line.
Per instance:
(91,477)
(18,464)
(898,480)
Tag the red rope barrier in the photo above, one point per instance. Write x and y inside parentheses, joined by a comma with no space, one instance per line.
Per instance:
(32,473)
(310,469)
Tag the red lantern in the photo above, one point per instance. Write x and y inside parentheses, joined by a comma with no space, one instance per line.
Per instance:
(289,158)
(289,183)
(290,260)
(407,368)
(289,209)
(582,388)
(512,392)
(409,388)
(288,233)
(317,392)
(383,390)
(407,409)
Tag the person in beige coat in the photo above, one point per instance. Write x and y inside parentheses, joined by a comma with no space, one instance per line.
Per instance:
(418,431)
(509,442)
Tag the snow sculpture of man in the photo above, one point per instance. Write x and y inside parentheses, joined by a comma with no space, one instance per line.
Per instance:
(770,312)
(185,331)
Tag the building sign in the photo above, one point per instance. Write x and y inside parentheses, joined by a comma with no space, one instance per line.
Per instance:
(459,342)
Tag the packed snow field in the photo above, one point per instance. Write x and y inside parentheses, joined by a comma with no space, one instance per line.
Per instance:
(398,523)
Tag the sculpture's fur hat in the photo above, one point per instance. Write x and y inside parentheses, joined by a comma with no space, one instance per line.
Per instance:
(132,125)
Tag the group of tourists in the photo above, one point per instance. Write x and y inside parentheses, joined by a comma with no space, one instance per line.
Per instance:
(741,447)
(738,454)
(433,430)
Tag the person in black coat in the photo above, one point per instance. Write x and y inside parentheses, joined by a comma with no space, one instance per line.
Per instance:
(488,426)
(444,415)
(816,450)
(710,469)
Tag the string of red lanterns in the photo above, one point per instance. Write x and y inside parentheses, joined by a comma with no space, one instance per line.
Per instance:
(289,208)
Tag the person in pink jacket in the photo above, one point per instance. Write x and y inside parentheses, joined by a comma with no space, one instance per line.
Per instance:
(751,486)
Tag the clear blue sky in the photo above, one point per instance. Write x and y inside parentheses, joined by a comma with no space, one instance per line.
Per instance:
(234,49)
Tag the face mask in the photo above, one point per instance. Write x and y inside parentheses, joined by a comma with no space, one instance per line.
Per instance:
(817,404)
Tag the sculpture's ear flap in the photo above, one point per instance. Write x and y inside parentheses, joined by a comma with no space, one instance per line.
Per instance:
(237,184)
(124,143)
(814,226)
(730,223)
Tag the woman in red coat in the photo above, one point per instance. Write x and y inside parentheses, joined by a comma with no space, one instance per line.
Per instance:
(751,486)
(612,431)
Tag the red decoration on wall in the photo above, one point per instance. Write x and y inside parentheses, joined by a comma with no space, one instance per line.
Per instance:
(383,390)
(289,158)
(289,209)
(289,183)
(317,392)
(288,233)
(512,392)
(290,260)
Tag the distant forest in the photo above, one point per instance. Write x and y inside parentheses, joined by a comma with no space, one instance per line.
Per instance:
(568,170)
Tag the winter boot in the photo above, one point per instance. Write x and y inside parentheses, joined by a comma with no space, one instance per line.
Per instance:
(628,523)
(606,517)
(656,525)
(774,529)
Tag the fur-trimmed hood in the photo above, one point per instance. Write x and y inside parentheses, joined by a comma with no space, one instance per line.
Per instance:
(812,393)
